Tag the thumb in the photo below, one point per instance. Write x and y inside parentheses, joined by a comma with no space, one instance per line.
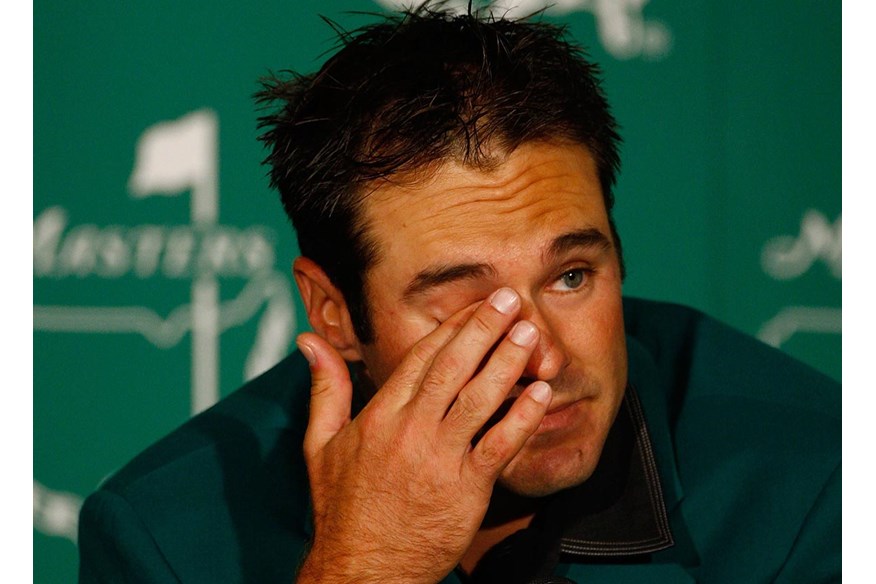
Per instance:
(331,392)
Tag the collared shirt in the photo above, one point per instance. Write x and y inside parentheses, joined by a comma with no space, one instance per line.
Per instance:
(618,513)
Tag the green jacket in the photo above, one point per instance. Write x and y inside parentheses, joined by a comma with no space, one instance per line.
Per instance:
(746,442)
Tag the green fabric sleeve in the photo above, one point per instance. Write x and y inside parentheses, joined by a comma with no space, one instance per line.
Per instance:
(114,545)
(816,556)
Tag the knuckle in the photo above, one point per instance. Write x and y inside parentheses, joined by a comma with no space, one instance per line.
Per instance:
(521,419)
(423,352)
(491,453)
(432,385)
(502,374)
(319,389)
(443,372)
(408,432)
(464,410)
(369,421)
(482,324)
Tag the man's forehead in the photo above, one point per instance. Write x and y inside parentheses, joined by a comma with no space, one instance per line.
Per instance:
(463,223)
(459,183)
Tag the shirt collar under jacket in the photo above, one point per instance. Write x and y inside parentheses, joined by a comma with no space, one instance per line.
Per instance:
(618,513)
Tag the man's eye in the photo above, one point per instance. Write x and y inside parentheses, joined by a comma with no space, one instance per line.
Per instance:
(572,279)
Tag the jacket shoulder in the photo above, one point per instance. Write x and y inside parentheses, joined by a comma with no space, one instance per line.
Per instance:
(274,401)
(223,497)
(698,355)
(755,442)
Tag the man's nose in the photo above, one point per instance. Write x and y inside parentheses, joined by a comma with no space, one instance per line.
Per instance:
(550,356)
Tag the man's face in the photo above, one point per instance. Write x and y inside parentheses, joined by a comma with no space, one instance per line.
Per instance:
(536,224)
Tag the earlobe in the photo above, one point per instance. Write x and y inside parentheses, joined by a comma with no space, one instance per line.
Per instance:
(326,308)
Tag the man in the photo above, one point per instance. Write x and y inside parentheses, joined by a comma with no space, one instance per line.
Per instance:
(483,404)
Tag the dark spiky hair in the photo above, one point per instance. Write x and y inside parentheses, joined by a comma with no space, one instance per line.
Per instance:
(404,94)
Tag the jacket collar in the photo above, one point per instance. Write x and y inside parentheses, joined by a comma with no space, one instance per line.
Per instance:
(620,510)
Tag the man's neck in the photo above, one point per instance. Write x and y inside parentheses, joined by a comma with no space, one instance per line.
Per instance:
(507,514)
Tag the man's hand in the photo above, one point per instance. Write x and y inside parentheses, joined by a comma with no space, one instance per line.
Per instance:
(399,492)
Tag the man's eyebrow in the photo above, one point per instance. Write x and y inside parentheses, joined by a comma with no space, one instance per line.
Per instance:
(438,275)
(590,237)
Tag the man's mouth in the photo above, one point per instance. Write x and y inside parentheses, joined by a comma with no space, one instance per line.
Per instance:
(560,416)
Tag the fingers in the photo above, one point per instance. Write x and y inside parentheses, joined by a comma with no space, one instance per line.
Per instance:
(483,395)
(459,359)
(406,379)
(331,392)
(504,440)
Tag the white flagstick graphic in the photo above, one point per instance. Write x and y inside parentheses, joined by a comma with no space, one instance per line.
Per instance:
(173,157)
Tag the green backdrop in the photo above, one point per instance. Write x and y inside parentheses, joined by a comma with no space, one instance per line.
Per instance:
(161,259)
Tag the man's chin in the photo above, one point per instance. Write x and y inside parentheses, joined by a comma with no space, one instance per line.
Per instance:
(540,479)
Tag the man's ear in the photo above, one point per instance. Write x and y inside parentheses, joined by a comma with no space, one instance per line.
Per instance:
(326,308)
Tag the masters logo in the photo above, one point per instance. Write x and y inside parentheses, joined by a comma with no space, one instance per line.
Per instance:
(172,158)
(786,257)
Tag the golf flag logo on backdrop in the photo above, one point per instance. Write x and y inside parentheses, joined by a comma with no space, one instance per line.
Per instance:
(172,158)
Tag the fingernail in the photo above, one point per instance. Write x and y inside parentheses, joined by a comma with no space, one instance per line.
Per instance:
(308,353)
(523,333)
(504,300)
(540,391)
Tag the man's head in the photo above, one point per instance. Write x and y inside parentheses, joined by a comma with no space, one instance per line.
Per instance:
(435,159)
(405,95)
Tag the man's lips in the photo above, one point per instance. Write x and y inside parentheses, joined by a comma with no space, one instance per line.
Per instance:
(561,416)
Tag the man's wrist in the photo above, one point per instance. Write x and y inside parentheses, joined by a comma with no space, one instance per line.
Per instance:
(320,567)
